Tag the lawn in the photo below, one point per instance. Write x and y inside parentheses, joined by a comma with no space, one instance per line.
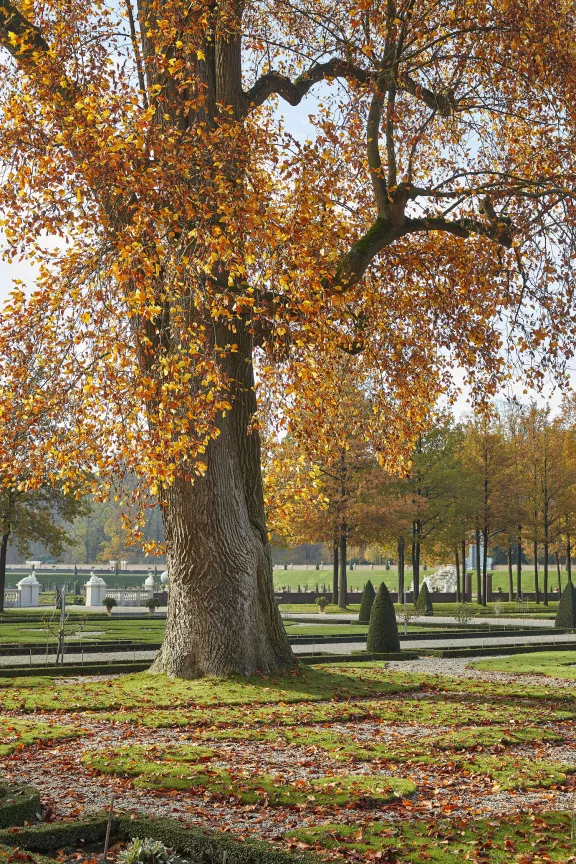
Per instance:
(556,664)
(350,761)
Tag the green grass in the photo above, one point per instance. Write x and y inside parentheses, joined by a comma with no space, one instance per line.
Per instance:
(172,767)
(43,632)
(358,578)
(556,664)
(144,691)
(494,841)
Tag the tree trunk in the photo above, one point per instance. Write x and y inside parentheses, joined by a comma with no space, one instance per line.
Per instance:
(559,575)
(546,556)
(3,554)
(457,561)
(465,597)
(510,576)
(222,618)
(519,566)
(568,557)
(343,581)
(536,585)
(400,568)
(335,572)
(478,569)
(485,566)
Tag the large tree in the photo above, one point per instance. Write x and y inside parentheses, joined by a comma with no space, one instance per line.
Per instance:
(434,192)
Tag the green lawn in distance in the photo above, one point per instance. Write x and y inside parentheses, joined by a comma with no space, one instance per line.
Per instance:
(556,664)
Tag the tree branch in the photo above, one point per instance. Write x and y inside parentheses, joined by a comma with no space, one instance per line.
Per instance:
(294,91)
(19,36)
(28,46)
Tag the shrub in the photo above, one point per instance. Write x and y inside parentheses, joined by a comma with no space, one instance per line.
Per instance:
(423,604)
(368,596)
(109,603)
(566,614)
(19,803)
(188,841)
(152,604)
(322,602)
(383,630)
(463,613)
(147,851)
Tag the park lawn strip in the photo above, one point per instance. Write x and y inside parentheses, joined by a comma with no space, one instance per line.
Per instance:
(45,632)
(492,841)
(170,768)
(555,664)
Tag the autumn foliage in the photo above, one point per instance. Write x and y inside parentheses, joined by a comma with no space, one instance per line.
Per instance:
(199,238)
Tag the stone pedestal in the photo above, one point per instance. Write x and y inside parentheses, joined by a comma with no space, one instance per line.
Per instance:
(95,590)
(29,589)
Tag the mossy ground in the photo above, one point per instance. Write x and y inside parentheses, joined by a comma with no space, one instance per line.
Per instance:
(340,745)
(526,838)
(16,734)
(172,768)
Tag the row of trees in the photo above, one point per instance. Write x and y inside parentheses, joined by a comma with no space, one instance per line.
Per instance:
(506,479)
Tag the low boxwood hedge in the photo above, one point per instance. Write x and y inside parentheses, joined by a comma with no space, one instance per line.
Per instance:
(19,803)
(201,847)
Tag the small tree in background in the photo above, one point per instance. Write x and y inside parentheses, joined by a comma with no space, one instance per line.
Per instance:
(152,604)
(109,603)
(368,596)
(383,630)
(566,614)
(423,604)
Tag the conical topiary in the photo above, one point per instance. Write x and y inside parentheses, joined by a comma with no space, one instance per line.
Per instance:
(383,630)
(566,614)
(368,596)
(423,604)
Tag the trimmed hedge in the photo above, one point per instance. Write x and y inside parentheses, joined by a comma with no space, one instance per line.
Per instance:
(368,596)
(19,803)
(74,669)
(495,650)
(424,602)
(566,614)
(383,634)
(356,657)
(202,847)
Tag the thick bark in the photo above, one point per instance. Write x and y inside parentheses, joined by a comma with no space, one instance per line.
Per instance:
(335,572)
(510,576)
(222,617)
(3,554)
(343,580)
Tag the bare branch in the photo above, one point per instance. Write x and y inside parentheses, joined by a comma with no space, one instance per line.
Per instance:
(294,91)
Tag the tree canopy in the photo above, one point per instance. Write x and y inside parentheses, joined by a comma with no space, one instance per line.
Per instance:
(432,201)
